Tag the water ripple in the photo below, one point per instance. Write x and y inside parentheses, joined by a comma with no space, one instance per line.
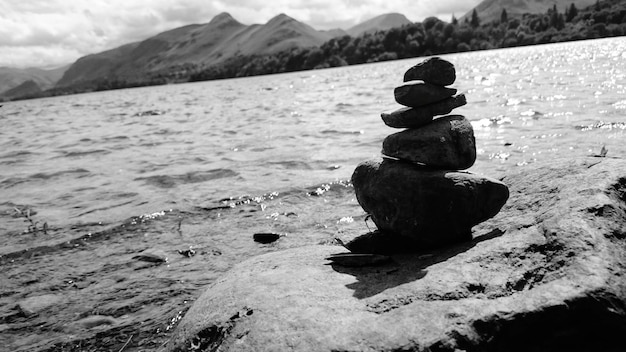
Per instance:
(170,181)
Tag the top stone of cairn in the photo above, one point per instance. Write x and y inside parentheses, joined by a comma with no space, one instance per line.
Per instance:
(434,71)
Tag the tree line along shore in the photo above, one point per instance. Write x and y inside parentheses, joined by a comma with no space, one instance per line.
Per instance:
(430,37)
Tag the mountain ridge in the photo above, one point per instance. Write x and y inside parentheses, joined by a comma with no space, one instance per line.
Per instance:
(199,44)
(378,23)
(490,10)
(26,88)
(220,39)
(13,77)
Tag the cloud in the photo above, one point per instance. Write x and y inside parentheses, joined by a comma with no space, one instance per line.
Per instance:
(38,56)
(55,32)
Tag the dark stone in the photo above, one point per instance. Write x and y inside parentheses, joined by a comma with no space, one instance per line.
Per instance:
(551,280)
(190,252)
(420,94)
(418,117)
(152,255)
(434,70)
(266,237)
(446,143)
(434,208)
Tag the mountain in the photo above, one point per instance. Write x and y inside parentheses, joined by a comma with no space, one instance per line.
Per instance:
(199,44)
(97,65)
(490,10)
(379,23)
(27,88)
(280,33)
(13,77)
(335,32)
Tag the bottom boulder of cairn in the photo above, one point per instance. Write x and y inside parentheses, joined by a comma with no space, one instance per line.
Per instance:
(429,208)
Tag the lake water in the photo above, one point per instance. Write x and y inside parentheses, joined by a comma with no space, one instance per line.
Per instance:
(206,165)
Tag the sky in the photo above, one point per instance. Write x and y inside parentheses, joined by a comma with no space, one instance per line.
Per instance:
(52,33)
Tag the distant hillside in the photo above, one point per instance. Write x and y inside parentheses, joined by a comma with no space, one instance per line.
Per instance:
(172,55)
(207,44)
(336,32)
(490,10)
(434,37)
(29,87)
(379,23)
(280,33)
(13,77)
(96,65)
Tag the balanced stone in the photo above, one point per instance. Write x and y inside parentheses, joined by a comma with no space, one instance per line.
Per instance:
(446,143)
(432,207)
(420,94)
(434,70)
(418,117)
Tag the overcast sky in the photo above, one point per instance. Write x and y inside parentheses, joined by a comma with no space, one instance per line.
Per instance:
(49,33)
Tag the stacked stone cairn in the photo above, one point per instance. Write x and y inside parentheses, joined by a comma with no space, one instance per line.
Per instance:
(415,194)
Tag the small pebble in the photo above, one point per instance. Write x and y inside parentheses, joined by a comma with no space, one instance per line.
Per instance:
(187,252)
(266,237)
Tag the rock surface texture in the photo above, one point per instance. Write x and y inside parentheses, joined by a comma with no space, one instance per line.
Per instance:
(35,304)
(446,143)
(545,274)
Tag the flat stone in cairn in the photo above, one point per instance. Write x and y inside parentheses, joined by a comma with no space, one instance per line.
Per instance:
(432,207)
(434,70)
(420,94)
(418,117)
(446,143)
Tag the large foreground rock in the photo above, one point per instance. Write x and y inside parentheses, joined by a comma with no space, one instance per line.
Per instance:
(432,207)
(446,143)
(551,280)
